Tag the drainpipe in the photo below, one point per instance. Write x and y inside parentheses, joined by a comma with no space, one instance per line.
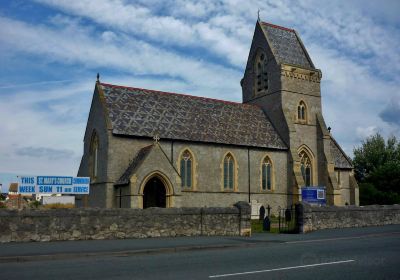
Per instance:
(172,151)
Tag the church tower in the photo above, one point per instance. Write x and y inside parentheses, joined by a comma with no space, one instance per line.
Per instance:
(281,78)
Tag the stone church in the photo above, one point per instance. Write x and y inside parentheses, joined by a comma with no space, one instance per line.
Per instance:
(147,148)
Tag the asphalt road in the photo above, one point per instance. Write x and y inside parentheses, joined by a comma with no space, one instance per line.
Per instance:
(363,253)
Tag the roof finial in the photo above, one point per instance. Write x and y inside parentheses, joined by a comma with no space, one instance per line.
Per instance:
(98,77)
(258,15)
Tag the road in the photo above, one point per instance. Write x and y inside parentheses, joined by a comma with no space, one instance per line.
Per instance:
(363,253)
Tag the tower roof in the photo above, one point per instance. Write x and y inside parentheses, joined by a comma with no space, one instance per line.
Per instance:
(286,45)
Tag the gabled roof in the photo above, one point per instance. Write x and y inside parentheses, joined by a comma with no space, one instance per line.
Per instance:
(134,165)
(340,158)
(142,112)
(286,45)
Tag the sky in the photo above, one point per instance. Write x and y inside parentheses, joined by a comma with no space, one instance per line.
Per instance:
(51,51)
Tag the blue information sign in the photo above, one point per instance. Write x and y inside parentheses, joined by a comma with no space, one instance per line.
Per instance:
(53,185)
(314,195)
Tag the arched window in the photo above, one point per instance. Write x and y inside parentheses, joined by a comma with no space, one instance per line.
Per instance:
(94,156)
(302,111)
(186,169)
(306,168)
(229,172)
(266,174)
(261,81)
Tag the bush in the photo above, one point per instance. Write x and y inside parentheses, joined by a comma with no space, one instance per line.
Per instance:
(369,194)
(3,205)
(34,204)
(58,206)
(377,168)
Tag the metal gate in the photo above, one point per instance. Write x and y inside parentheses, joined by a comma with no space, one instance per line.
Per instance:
(287,220)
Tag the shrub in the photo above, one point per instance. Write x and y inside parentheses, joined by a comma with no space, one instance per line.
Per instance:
(58,205)
(34,204)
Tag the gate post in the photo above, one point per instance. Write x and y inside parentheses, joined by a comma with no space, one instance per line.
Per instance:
(244,218)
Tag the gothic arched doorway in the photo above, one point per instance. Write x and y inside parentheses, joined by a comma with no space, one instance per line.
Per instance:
(154,193)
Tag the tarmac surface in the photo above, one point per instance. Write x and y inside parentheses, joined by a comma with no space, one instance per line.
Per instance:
(356,253)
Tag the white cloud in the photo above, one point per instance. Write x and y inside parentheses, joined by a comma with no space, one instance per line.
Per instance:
(364,132)
(167,46)
(29,130)
(126,53)
(140,20)
(43,152)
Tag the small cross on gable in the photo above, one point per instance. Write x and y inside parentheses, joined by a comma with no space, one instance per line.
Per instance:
(156,138)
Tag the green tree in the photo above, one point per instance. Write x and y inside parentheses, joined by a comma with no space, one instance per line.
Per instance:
(377,168)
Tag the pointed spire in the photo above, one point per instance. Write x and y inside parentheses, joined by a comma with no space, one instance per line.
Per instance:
(258,15)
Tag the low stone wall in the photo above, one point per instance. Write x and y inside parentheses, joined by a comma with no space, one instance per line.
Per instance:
(312,218)
(93,223)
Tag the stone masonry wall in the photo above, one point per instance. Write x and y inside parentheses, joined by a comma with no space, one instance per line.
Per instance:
(324,217)
(94,223)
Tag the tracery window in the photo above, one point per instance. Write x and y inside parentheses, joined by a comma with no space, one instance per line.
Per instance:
(302,111)
(186,169)
(229,172)
(266,174)
(261,73)
(306,168)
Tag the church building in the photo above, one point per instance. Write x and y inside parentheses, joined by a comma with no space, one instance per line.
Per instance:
(147,148)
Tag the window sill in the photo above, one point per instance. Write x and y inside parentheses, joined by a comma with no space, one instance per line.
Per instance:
(267,191)
(188,190)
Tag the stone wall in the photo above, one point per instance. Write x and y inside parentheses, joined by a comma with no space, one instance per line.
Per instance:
(94,223)
(324,217)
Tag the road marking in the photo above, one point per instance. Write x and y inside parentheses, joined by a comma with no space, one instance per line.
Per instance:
(344,238)
(279,269)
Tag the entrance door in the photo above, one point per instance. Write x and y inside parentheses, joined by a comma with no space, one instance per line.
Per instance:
(154,193)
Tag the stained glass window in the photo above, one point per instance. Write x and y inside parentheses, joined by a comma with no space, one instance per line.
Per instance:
(301,111)
(306,168)
(186,170)
(229,172)
(94,156)
(266,174)
(261,73)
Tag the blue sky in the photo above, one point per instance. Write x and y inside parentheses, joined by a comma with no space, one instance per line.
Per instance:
(50,52)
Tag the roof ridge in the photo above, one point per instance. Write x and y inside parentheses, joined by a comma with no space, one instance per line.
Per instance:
(133,164)
(341,150)
(182,94)
(277,26)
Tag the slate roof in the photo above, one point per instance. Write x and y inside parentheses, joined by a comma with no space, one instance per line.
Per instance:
(133,166)
(286,46)
(340,159)
(142,112)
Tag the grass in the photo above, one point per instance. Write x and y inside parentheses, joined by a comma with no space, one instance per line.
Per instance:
(257,226)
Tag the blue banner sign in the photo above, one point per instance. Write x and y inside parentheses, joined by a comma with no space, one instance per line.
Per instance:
(53,185)
(314,195)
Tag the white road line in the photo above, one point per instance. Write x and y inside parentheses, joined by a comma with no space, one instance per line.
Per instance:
(344,238)
(278,269)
